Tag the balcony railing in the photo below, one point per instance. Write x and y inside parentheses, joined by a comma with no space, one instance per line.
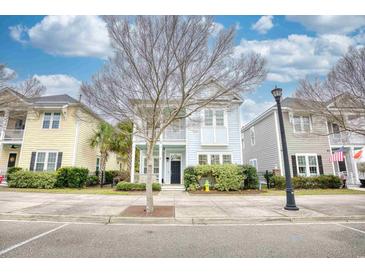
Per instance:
(12,135)
(172,134)
(347,138)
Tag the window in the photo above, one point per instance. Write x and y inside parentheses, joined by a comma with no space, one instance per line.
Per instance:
(243,140)
(219,118)
(156,166)
(46,161)
(51,163)
(301,123)
(203,159)
(208,117)
(227,159)
(307,165)
(97,165)
(51,120)
(253,162)
(302,166)
(252,136)
(214,159)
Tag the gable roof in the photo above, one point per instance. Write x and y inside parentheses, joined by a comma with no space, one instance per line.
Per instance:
(53,99)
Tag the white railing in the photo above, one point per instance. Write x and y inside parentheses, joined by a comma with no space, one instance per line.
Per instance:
(346,138)
(12,134)
(174,134)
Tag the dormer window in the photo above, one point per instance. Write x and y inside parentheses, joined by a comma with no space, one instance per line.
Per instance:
(51,120)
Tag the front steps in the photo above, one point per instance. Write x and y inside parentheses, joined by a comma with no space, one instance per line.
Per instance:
(173,187)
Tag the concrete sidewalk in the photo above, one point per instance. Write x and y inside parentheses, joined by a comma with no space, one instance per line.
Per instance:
(189,209)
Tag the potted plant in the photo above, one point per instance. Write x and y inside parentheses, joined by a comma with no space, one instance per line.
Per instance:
(361,169)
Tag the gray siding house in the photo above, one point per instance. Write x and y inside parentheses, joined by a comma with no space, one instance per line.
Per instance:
(307,138)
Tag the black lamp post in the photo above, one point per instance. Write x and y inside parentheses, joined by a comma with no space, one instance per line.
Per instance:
(290,200)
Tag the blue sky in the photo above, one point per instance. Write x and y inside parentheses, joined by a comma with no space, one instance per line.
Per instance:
(63,51)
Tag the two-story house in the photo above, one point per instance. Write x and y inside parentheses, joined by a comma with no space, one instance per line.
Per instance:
(311,141)
(45,133)
(209,136)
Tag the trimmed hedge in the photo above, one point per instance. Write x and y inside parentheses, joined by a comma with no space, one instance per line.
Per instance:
(252,180)
(73,177)
(221,177)
(322,181)
(28,179)
(111,174)
(92,180)
(12,170)
(125,186)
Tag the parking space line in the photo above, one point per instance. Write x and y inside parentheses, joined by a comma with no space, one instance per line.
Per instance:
(352,228)
(2,252)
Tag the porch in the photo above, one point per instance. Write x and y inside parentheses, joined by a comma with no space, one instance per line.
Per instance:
(169,161)
(348,166)
(12,124)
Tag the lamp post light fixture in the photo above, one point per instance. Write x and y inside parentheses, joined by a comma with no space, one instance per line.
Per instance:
(290,200)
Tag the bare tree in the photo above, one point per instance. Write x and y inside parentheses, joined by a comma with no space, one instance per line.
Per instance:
(165,68)
(340,97)
(31,87)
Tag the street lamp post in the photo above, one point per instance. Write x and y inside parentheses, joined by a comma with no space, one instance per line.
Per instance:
(290,200)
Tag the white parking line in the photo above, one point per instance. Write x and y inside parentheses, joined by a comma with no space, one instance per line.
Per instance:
(352,228)
(2,252)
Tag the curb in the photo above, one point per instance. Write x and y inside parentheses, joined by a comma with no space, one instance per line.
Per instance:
(179,221)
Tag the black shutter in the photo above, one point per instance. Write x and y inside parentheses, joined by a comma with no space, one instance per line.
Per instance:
(32,161)
(294,165)
(320,164)
(59,160)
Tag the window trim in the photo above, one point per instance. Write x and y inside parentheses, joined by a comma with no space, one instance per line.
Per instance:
(302,124)
(45,167)
(307,167)
(254,159)
(51,119)
(209,155)
(144,158)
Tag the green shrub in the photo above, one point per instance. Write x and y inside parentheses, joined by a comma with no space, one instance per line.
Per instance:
(28,179)
(74,177)
(193,187)
(190,177)
(111,174)
(12,170)
(277,182)
(92,180)
(125,186)
(251,179)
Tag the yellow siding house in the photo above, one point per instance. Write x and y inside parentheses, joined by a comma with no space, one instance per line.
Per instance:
(48,132)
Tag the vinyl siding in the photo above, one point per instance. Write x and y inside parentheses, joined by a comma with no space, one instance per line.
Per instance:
(265,149)
(314,142)
(36,138)
(193,142)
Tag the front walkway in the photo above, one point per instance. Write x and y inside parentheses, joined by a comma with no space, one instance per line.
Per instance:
(188,208)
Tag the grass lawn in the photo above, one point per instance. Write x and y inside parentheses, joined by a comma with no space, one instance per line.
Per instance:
(106,190)
(273,192)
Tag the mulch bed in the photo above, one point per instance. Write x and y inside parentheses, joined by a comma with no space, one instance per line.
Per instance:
(158,211)
(216,192)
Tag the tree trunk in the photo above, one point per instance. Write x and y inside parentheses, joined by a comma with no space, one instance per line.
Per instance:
(149,194)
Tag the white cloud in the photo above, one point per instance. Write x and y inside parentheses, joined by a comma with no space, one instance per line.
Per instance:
(297,56)
(339,24)
(60,84)
(264,24)
(251,109)
(66,35)
(216,28)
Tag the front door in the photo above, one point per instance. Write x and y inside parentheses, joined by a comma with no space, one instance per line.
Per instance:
(12,160)
(175,172)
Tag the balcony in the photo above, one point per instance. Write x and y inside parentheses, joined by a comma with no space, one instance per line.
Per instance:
(347,138)
(12,135)
(174,134)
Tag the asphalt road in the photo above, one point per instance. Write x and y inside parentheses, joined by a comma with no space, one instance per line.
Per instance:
(45,239)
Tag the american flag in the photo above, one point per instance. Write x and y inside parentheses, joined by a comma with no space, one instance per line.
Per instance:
(337,156)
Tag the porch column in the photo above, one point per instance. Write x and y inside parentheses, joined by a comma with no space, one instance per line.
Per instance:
(5,124)
(354,165)
(160,163)
(133,162)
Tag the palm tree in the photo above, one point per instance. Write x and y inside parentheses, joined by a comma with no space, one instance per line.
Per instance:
(104,140)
